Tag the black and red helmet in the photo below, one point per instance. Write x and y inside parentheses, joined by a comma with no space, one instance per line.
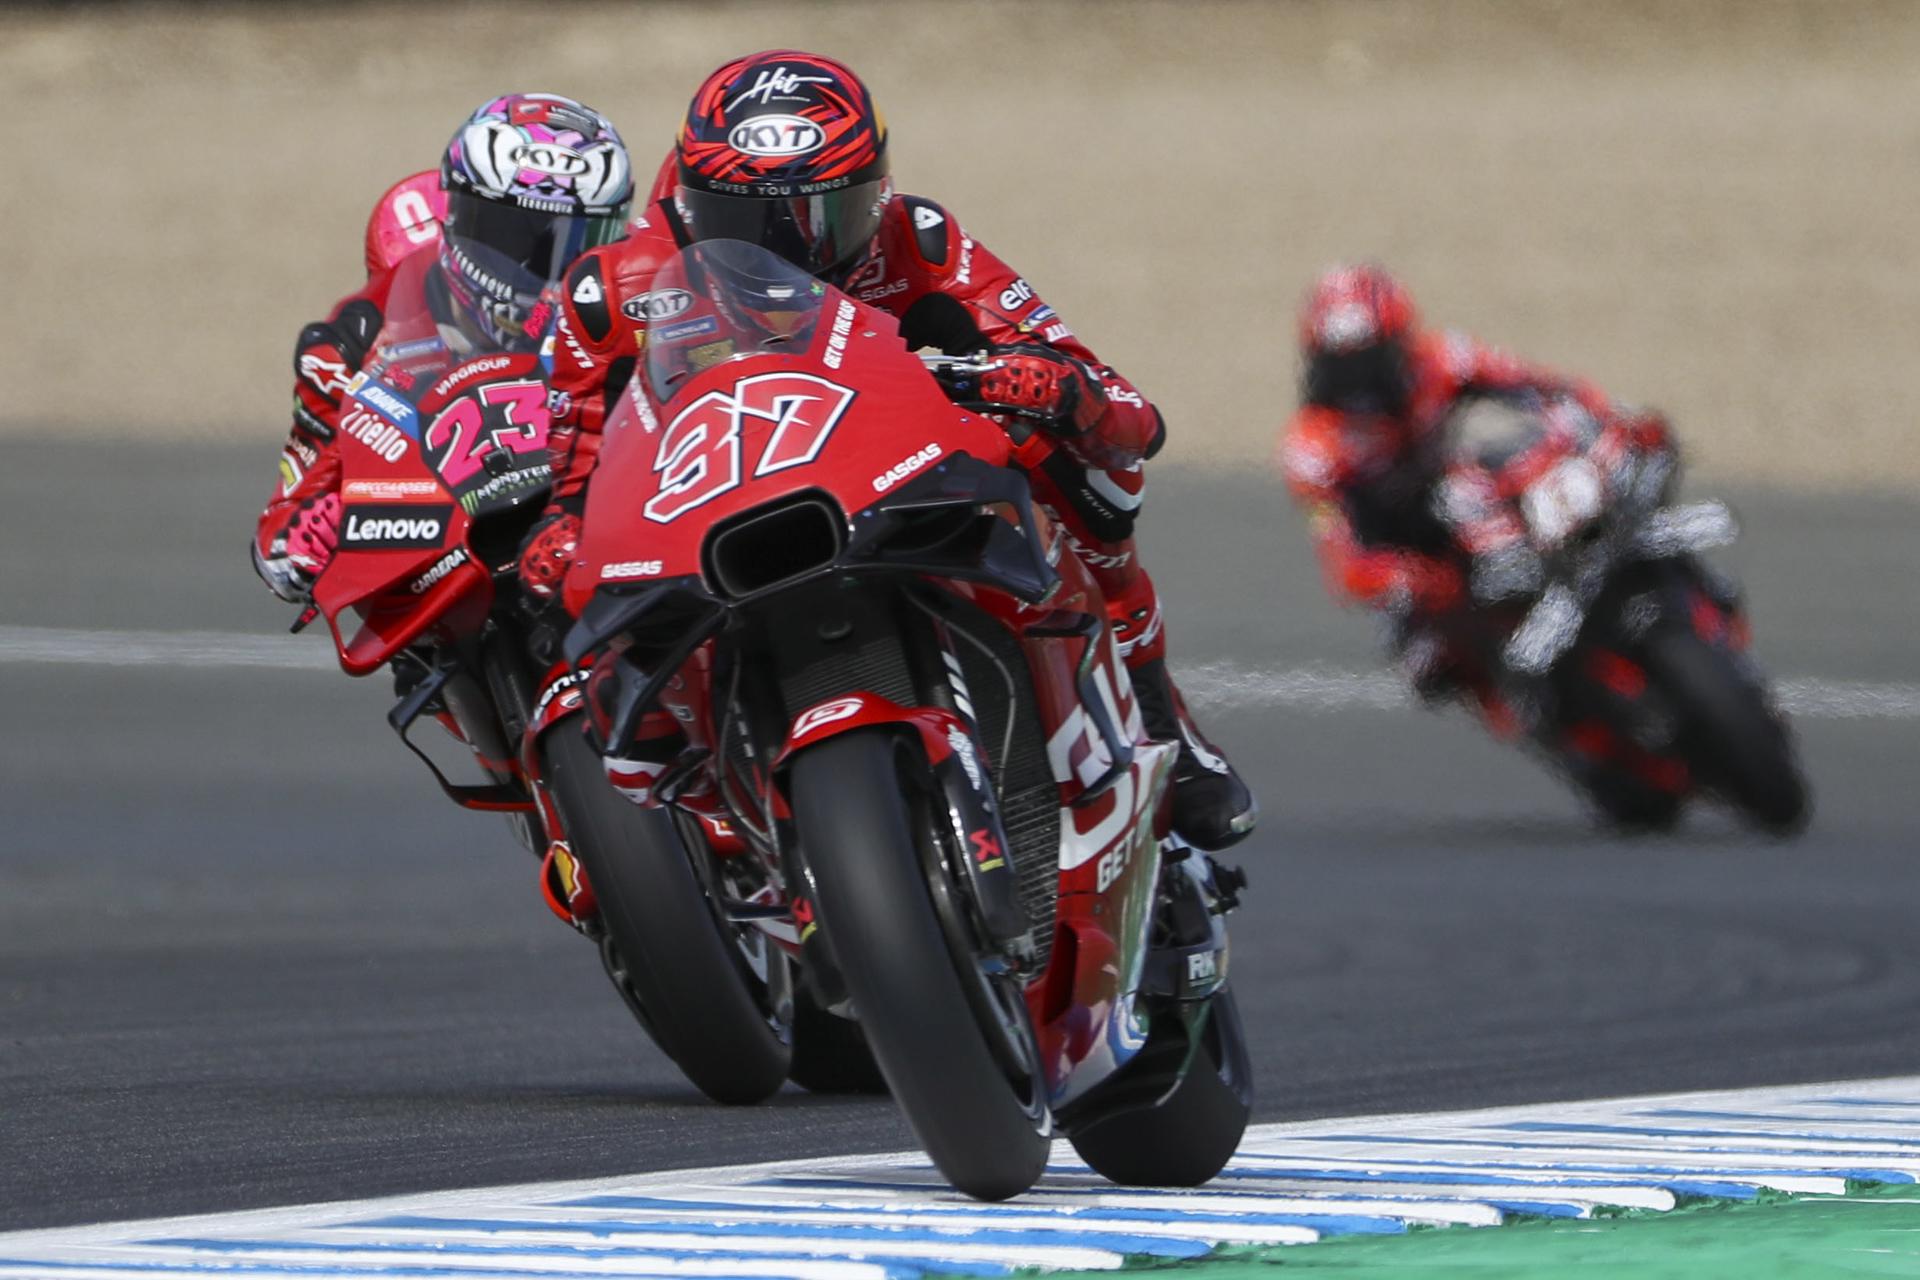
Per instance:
(1354,332)
(785,150)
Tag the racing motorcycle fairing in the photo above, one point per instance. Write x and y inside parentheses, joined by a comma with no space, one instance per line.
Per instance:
(443,442)
(793,536)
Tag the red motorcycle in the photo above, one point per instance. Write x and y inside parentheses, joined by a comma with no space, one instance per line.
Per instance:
(882,659)
(1598,633)
(443,441)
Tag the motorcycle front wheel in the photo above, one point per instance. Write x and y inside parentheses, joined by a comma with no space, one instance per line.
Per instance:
(679,966)
(948,1029)
(1731,739)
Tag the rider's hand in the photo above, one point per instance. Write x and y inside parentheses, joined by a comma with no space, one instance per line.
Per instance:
(1034,381)
(548,552)
(311,538)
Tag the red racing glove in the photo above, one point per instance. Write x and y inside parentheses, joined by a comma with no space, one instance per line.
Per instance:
(549,550)
(1034,381)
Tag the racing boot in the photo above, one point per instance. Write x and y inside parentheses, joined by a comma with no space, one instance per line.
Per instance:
(1212,807)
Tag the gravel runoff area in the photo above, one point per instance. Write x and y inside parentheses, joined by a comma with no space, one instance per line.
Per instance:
(1704,206)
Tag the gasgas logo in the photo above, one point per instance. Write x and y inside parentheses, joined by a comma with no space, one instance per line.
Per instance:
(776,136)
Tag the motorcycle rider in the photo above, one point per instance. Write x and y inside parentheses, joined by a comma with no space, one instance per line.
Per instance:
(1366,448)
(530,181)
(786,150)
(406,217)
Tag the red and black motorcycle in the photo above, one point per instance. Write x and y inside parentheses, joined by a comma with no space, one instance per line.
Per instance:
(1599,633)
(886,663)
(443,440)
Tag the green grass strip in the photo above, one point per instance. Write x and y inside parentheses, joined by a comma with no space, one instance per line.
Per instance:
(1873,1231)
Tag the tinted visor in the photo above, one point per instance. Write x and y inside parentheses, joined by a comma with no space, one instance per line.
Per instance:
(1370,379)
(816,233)
(544,244)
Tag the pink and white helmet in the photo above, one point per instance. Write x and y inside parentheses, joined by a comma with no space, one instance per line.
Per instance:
(538,179)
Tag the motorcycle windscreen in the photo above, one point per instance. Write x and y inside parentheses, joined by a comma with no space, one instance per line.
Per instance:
(761,384)
(723,300)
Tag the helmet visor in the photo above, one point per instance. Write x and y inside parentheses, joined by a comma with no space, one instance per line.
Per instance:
(1370,379)
(817,233)
(543,244)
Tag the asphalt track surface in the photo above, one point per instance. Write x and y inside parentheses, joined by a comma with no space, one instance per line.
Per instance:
(248,956)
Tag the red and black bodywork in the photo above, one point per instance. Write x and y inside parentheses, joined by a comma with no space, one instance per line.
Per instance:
(444,467)
(795,540)
(1599,631)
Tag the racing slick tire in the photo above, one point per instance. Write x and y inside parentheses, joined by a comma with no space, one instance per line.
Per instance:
(952,1039)
(1728,734)
(669,953)
(1188,1136)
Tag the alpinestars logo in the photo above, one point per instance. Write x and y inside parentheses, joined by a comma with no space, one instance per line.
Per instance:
(330,376)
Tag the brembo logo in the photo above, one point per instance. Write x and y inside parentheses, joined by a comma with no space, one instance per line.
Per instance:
(389,527)
(776,136)
(550,157)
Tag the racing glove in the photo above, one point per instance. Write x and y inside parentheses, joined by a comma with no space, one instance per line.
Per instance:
(1033,381)
(303,551)
(547,553)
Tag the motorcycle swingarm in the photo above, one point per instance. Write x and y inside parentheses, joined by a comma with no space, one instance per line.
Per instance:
(491,797)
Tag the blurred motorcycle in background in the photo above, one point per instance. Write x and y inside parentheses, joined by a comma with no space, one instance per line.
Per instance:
(1595,631)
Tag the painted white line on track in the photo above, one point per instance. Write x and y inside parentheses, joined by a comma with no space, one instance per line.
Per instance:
(890,1217)
(1311,688)
(1319,688)
(73,646)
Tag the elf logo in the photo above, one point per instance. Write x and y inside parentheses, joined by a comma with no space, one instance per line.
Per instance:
(409,525)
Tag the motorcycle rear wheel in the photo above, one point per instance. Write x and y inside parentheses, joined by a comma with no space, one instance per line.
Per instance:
(978,1108)
(671,957)
(1728,734)
(1188,1136)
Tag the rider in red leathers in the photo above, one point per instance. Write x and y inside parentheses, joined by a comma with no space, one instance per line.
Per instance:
(530,180)
(786,150)
(1365,450)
